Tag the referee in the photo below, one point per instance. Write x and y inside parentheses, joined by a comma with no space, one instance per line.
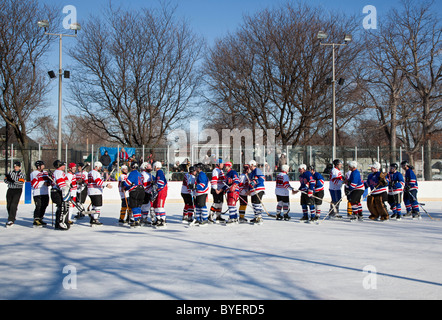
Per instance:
(15,180)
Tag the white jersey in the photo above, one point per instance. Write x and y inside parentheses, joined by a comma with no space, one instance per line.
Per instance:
(243,185)
(60,180)
(147,181)
(39,181)
(73,181)
(121,179)
(95,183)
(218,178)
(81,178)
(336,179)
(187,180)
(283,186)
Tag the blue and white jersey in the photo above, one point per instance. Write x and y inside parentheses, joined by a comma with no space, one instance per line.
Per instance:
(396,184)
(202,184)
(160,180)
(355,181)
(307,182)
(232,179)
(133,180)
(257,180)
(319,181)
(373,181)
(410,180)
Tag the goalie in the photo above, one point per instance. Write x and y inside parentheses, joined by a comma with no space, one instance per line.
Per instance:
(377,182)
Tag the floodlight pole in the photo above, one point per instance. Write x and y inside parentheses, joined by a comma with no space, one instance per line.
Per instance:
(333,45)
(60,78)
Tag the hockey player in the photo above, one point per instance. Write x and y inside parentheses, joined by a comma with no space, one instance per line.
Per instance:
(72,168)
(81,177)
(410,191)
(158,204)
(256,181)
(40,182)
(282,192)
(395,189)
(217,191)
(146,169)
(60,195)
(243,193)
(202,191)
(356,190)
(95,192)
(335,187)
(307,188)
(318,192)
(232,192)
(378,184)
(187,193)
(134,185)
(125,210)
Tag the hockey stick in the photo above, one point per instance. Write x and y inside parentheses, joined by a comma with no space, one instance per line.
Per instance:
(414,198)
(270,215)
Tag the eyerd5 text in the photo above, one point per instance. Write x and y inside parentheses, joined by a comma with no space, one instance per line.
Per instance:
(222,309)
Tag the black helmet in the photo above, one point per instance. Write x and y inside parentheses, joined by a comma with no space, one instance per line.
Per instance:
(58,163)
(17,163)
(336,162)
(311,168)
(38,163)
(199,166)
(80,164)
(192,169)
(405,163)
(394,165)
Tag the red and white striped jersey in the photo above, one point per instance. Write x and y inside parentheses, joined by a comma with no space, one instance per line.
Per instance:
(336,179)
(95,183)
(73,180)
(121,179)
(38,182)
(218,177)
(60,179)
(283,184)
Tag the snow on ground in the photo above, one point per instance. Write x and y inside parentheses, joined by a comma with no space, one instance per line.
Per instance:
(275,261)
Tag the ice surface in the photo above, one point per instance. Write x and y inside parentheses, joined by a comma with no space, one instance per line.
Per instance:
(278,260)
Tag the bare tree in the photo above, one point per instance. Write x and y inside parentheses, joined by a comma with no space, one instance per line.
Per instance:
(273,72)
(417,51)
(22,46)
(137,74)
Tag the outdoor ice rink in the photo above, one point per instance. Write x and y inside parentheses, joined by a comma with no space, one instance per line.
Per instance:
(278,260)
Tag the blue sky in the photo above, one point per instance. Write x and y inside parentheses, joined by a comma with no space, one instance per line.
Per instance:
(210,18)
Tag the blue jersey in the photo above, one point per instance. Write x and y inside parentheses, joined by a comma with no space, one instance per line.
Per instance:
(202,184)
(410,180)
(319,181)
(372,182)
(257,180)
(160,180)
(307,182)
(355,181)
(232,179)
(397,182)
(134,179)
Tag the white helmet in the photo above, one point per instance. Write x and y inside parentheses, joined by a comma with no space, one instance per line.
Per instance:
(285,168)
(302,166)
(252,163)
(143,166)
(376,165)
(98,164)
(352,164)
(124,167)
(156,165)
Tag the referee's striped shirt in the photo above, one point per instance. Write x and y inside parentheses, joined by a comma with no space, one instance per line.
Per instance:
(16,181)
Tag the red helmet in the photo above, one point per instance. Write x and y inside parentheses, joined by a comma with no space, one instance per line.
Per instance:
(72,165)
(228,164)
